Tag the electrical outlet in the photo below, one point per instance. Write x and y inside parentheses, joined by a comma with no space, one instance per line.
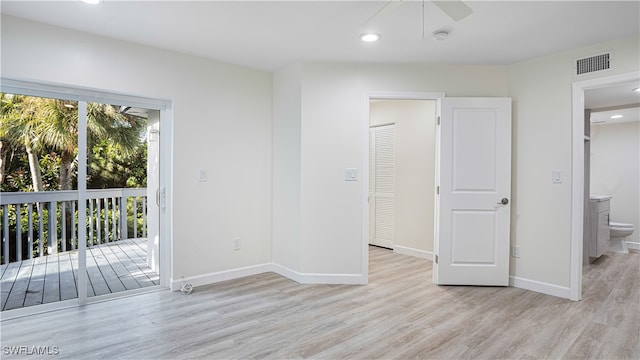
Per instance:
(515,251)
(236,244)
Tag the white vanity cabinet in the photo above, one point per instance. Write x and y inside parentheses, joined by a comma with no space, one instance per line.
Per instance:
(598,225)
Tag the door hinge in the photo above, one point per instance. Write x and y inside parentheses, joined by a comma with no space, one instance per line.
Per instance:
(438,120)
(438,190)
(436,259)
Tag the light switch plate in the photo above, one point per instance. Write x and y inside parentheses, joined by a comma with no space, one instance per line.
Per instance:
(556,177)
(350,174)
(202,175)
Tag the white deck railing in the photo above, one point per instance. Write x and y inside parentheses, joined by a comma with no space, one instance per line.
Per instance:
(35,224)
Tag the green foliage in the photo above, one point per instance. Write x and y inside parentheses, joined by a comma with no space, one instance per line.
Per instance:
(48,129)
(110,168)
(117,151)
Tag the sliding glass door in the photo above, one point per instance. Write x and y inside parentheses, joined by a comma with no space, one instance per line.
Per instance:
(81,196)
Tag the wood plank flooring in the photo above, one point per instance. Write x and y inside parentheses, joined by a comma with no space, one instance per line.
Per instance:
(111,268)
(400,314)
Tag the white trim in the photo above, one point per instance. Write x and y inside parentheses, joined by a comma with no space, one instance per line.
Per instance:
(366,124)
(82,202)
(220,276)
(302,278)
(539,286)
(397,95)
(312,278)
(413,252)
(69,92)
(633,245)
(577,172)
(166,183)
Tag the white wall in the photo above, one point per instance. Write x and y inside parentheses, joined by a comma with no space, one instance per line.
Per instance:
(287,112)
(334,136)
(222,123)
(615,170)
(333,98)
(415,125)
(542,140)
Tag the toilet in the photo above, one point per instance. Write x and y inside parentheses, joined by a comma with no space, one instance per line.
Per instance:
(617,233)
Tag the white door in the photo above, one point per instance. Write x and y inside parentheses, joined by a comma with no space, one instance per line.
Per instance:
(472,234)
(382,184)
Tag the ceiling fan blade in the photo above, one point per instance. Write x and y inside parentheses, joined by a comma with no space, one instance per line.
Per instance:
(457,10)
(384,11)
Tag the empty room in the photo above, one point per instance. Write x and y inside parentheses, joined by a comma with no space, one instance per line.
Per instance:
(320,179)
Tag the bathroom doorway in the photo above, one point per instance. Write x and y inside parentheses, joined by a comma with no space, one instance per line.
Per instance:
(592,102)
(614,142)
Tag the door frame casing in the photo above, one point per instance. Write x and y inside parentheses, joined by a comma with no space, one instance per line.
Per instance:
(577,172)
(84,94)
(386,95)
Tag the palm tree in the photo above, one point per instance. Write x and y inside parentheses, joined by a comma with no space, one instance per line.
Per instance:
(19,124)
(39,123)
(59,131)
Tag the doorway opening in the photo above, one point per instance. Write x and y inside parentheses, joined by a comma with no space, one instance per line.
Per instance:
(581,188)
(402,172)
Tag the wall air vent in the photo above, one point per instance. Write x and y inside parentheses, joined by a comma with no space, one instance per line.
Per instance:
(594,63)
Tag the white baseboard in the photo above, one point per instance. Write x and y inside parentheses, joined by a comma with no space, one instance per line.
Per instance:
(302,278)
(539,286)
(216,277)
(314,278)
(633,245)
(413,252)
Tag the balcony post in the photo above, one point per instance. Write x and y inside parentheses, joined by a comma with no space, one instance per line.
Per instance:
(73,225)
(53,228)
(40,229)
(63,219)
(90,222)
(18,232)
(30,226)
(123,217)
(5,236)
(135,217)
(114,225)
(106,220)
(144,217)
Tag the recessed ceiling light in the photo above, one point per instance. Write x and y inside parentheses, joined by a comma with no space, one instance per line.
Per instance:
(370,37)
(617,116)
(637,89)
(92,2)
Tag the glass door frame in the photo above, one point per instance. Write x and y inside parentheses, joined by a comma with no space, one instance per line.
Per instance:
(84,96)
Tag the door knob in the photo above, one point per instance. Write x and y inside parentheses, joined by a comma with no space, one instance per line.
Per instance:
(504,201)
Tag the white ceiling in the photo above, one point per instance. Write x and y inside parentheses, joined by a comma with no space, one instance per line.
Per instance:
(608,98)
(611,96)
(604,117)
(268,35)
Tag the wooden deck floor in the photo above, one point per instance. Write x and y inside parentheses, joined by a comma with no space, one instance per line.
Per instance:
(111,268)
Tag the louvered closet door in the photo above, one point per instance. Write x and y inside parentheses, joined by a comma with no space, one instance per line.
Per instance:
(381,185)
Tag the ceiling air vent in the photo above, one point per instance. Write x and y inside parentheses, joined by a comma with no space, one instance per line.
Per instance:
(593,63)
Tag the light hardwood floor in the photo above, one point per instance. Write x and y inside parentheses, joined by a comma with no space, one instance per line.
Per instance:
(400,314)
